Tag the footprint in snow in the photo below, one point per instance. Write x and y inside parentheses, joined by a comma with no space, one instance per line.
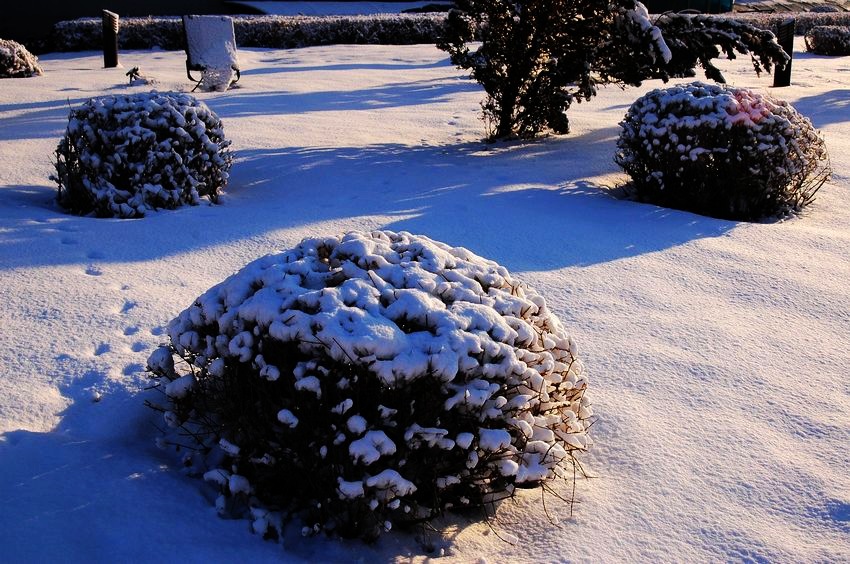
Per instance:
(132,330)
(93,270)
(133,368)
(128,305)
(102,348)
(139,346)
(840,512)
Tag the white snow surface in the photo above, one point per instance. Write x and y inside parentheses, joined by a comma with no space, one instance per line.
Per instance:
(718,352)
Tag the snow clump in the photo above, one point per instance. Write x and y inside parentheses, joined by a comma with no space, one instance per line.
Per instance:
(371,380)
(16,61)
(721,151)
(123,155)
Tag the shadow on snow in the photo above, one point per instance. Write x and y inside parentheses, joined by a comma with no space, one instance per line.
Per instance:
(409,93)
(826,108)
(516,203)
(98,483)
(294,65)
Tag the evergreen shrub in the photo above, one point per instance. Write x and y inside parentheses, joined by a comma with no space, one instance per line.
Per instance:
(721,151)
(371,380)
(829,40)
(123,155)
(16,61)
(535,59)
(280,32)
(284,32)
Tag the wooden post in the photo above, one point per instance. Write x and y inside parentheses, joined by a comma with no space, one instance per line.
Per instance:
(785,37)
(110,39)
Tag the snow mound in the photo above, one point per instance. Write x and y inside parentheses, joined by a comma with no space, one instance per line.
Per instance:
(375,378)
(123,155)
(16,61)
(721,151)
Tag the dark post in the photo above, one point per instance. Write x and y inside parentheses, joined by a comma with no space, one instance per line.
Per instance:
(110,39)
(785,37)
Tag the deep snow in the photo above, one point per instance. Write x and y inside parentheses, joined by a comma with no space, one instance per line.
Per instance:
(717,352)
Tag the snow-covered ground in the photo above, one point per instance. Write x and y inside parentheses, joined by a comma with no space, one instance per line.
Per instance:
(718,352)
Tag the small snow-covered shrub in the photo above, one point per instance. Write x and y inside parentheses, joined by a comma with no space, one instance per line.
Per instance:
(829,40)
(16,61)
(372,380)
(721,151)
(123,155)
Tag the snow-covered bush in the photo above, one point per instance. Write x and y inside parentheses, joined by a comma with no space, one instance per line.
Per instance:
(824,9)
(258,31)
(301,31)
(828,40)
(536,59)
(372,380)
(123,155)
(803,21)
(721,151)
(16,61)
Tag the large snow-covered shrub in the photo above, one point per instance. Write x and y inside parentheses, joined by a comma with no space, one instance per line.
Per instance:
(123,155)
(16,61)
(536,59)
(375,379)
(721,151)
(829,40)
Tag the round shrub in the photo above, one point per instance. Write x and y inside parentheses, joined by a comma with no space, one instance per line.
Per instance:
(123,155)
(828,40)
(721,151)
(16,61)
(372,380)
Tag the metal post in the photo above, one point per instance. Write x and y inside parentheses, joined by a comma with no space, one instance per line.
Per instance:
(785,38)
(110,39)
